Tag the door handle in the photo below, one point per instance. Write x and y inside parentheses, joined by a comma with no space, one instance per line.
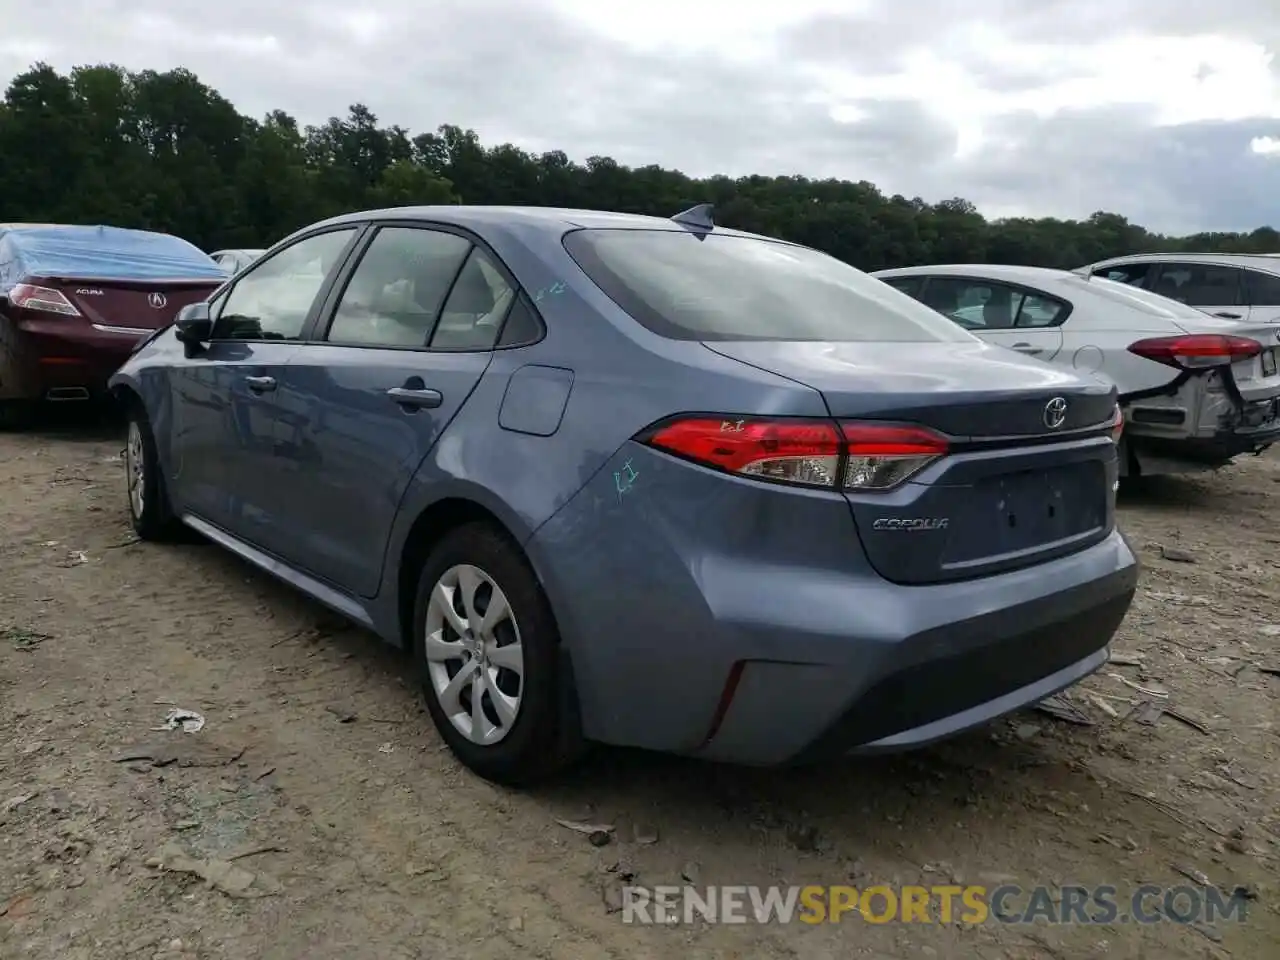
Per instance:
(261,384)
(1228,316)
(412,399)
(1027,348)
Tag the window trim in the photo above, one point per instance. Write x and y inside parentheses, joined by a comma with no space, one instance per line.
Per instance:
(1162,265)
(1026,290)
(319,325)
(358,230)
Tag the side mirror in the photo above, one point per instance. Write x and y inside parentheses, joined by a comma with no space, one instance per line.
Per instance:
(194,324)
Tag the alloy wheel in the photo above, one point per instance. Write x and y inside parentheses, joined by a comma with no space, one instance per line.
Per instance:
(475,658)
(135,469)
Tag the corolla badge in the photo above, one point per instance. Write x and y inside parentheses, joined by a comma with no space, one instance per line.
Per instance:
(157,299)
(910,523)
(1055,413)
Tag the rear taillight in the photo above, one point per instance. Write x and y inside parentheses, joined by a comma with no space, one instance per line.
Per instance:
(881,456)
(1197,350)
(45,299)
(811,453)
(1117,424)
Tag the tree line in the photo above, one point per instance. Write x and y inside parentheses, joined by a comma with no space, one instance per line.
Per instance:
(163,151)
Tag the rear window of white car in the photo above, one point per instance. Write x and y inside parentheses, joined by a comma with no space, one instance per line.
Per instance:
(687,286)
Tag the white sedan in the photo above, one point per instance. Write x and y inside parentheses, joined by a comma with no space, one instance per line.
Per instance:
(1196,390)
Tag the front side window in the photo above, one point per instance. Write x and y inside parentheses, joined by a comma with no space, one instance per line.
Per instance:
(721,287)
(1198,284)
(397,288)
(273,300)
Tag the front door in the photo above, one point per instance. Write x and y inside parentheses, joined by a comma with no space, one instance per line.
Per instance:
(403,346)
(228,417)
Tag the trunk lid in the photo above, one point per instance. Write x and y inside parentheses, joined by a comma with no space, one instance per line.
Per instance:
(1011,492)
(129,305)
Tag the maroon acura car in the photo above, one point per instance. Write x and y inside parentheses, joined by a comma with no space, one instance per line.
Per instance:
(74,300)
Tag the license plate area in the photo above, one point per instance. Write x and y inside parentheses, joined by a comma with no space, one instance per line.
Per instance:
(1018,512)
(1269,362)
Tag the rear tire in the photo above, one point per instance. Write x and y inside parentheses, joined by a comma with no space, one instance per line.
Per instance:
(148,499)
(489,658)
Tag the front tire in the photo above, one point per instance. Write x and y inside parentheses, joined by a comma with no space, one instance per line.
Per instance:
(488,654)
(149,510)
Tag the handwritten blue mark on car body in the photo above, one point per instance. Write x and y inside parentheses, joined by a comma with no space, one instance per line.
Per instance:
(625,479)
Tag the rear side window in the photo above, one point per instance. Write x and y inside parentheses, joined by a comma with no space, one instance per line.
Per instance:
(717,287)
(1263,289)
(1134,274)
(911,286)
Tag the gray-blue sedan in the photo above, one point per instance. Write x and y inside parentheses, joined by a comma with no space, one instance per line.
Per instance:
(640,481)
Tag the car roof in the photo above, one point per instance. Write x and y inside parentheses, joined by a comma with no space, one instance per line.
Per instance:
(1269,262)
(990,271)
(554,219)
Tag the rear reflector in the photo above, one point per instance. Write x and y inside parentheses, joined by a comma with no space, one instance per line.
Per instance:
(1197,350)
(1117,424)
(45,299)
(811,453)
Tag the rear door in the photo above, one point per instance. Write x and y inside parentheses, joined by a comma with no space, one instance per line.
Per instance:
(1021,319)
(400,347)
(226,411)
(1214,288)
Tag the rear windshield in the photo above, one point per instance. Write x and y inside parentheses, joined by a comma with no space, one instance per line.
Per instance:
(721,287)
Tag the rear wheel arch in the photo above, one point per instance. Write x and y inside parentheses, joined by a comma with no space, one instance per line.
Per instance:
(431,526)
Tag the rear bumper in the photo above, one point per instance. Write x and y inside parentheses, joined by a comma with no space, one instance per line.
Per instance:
(929,685)
(1198,425)
(60,358)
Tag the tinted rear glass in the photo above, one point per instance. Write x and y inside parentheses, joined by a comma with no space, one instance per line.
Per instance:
(739,288)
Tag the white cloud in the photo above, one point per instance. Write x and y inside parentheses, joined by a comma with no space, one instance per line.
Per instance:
(1165,113)
(1266,146)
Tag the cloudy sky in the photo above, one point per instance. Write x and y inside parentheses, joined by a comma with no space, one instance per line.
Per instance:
(1167,111)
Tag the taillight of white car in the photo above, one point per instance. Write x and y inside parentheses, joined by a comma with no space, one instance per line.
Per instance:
(1195,351)
(45,299)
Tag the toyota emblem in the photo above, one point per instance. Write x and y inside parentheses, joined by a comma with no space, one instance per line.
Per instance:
(1055,413)
(157,300)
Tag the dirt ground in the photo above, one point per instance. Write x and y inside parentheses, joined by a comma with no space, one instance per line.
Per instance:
(365,839)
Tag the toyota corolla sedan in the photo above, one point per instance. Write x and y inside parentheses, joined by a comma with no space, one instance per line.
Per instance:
(640,481)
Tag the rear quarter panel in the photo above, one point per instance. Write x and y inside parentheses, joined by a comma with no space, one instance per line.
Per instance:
(623,379)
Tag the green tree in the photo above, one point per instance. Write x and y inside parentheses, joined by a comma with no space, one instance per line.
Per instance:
(161,150)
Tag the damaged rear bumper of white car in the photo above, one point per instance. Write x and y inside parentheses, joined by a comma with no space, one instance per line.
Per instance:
(1201,421)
